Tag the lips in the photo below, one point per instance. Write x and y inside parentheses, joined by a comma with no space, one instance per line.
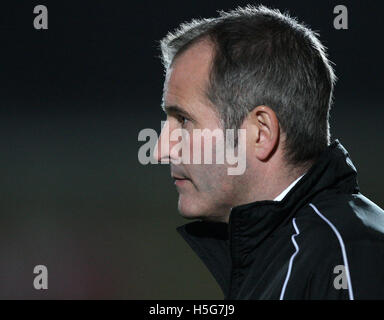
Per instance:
(179,175)
(180,178)
(180,182)
(177,178)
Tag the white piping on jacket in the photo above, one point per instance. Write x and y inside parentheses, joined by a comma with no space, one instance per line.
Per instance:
(350,291)
(291,260)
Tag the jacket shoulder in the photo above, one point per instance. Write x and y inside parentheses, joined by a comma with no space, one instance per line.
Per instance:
(353,217)
(345,231)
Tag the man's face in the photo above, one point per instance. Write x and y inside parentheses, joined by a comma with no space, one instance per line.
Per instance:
(205,190)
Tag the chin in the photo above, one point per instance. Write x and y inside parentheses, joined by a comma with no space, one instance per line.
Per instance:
(190,214)
(195,209)
(191,209)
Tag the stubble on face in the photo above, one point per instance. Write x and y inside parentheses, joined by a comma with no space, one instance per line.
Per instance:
(208,192)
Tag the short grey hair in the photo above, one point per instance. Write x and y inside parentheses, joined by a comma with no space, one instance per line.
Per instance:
(265,57)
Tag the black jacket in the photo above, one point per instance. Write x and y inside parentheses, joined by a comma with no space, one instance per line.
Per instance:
(324,240)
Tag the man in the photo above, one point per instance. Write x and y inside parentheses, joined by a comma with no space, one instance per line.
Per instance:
(293,225)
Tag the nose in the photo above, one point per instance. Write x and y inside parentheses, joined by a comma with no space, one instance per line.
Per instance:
(164,151)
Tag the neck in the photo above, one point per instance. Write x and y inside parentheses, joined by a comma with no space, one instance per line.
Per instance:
(278,183)
(270,181)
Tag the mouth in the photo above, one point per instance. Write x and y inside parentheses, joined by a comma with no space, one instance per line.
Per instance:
(180,181)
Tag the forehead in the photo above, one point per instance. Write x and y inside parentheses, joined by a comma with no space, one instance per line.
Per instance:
(188,75)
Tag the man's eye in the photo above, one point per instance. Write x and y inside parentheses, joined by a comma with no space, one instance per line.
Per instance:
(183,120)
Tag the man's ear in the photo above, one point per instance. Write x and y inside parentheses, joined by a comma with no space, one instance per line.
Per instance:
(264,131)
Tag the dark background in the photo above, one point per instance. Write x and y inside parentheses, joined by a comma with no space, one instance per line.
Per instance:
(73,98)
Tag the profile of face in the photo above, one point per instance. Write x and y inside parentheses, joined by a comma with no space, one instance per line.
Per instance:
(206,191)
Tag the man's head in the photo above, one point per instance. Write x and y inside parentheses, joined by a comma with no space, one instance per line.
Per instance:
(255,69)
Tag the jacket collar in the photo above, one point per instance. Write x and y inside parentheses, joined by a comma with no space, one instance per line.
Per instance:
(286,190)
(223,247)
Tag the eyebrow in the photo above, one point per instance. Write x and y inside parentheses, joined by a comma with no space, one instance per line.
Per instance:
(176,110)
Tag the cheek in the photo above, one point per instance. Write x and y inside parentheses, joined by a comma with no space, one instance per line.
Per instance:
(207,177)
(195,148)
(210,178)
(198,146)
